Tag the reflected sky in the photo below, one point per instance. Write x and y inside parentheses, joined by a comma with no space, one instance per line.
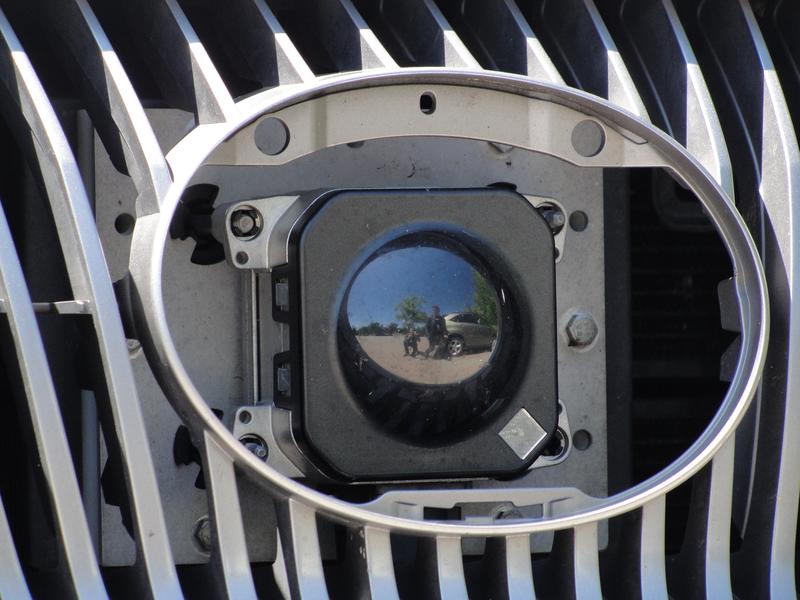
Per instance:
(437,276)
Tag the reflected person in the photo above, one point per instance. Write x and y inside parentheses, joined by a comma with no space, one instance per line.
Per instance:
(437,334)
(411,341)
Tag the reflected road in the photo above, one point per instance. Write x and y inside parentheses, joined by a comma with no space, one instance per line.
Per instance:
(387,351)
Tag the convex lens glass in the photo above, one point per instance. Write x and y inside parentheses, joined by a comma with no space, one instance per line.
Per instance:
(424,314)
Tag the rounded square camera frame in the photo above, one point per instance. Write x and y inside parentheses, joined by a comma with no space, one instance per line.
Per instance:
(327,247)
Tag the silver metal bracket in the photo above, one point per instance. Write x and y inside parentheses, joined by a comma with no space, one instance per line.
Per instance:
(266,247)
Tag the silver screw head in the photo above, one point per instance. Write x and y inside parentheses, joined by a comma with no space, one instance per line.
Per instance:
(255,445)
(581,330)
(245,223)
(554,216)
(507,511)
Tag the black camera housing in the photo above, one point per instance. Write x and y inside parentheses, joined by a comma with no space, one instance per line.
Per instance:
(330,243)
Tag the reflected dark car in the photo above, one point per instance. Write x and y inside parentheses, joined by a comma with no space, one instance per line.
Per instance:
(466,332)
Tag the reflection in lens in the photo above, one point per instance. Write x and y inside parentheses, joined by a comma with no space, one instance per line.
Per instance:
(424,314)
(429,338)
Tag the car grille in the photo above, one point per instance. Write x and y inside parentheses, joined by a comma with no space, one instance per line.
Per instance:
(720,76)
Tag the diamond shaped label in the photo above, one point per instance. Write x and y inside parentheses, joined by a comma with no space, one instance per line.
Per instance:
(522,433)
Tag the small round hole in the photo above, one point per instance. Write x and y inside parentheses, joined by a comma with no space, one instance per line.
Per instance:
(427,103)
(124,224)
(242,258)
(245,416)
(581,439)
(578,220)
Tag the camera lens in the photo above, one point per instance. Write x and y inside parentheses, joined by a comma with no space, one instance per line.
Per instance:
(424,314)
(421,329)
(442,361)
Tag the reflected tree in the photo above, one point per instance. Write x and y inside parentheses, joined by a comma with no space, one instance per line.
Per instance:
(373,328)
(409,311)
(485,300)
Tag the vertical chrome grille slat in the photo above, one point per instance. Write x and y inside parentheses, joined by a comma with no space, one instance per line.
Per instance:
(718,525)
(380,567)
(371,548)
(455,52)
(416,33)
(652,563)
(291,65)
(297,526)
(212,100)
(783,551)
(112,98)
(576,38)
(442,568)
(280,572)
(766,161)
(54,454)
(182,68)
(661,61)
(573,567)
(90,283)
(705,555)
(502,39)
(509,572)
(587,564)
(263,45)
(372,52)
(12,580)
(230,549)
(780,190)
(342,34)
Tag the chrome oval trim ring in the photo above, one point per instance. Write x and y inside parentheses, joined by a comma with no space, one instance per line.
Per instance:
(633,143)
